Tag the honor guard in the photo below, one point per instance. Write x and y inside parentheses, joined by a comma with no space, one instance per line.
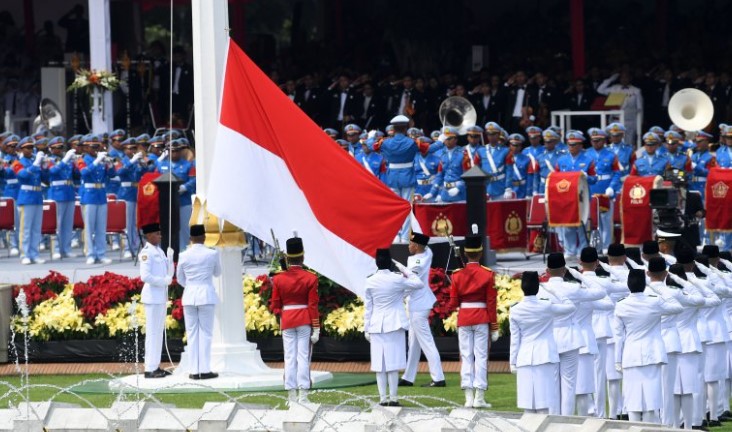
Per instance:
(425,166)
(650,163)
(295,299)
(449,185)
(534,357)
(676,158)
(608,182)
(184,170)
(12,187)
(419,305)
(129,171)
(624,152)
(473,291)
(156,271)
(385,322)
(197,267)
(494,164)
(574,238)
(96,169)
(520,170)
(29,169)
(399,152)
(61,172)
(546,161)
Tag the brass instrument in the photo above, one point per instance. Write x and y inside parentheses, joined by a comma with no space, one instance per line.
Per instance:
(458,112)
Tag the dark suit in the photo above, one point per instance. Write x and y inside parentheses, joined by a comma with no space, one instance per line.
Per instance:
(352,107)
(511,121)
(582,102)
(716,94)
(183,99)
(373,113)
(487,108)
(546,95)
(310,101)
(655,111)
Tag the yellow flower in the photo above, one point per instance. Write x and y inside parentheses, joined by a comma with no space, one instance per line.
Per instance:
(345,321)
(54,316)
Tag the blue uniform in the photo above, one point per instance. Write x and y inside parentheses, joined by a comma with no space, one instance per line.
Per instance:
(94,179)
(520,172)
(448,176)
(373,163)
(626,157)
(546,163)
(12,187)
(701,161)
(114,181)
(724,156)
(647,165)
(30,203)
(185,171)
(679,161)
(533,151)
(62,191)
(129,176)
(496,170)
(608,176)
(425,168)
(574,239)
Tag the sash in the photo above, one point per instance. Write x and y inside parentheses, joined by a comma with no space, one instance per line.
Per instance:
(424,167)
(365,163)
(719,210)
(636,216)
(517,172)
(491,162)
(470,155)
(549,165)
(567,201)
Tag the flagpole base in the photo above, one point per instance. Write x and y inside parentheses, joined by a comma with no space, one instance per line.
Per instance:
(242,359)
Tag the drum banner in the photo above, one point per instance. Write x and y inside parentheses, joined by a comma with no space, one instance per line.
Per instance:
(636,217)
(148,207)
(563,207)
(505,222)
(718,197)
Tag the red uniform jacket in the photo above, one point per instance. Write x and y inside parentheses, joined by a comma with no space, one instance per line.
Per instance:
(474,284)
(296,286)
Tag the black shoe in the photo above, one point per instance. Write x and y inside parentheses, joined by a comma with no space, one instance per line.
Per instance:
(394,403)
(384,403)
(701,428)
(726,414)
(155,374)
(194,376)
(165,372)
(405,383)
(724,418)
(623,417)
(208,375)
(435,384)
(714,423)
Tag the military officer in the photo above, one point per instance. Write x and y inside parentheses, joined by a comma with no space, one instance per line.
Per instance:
(473,291)
(650,163)
(419,305)
(12,187)
(640,349)
(534,357)
(62,192)
(448,185)
(624,152)
(197,266)
(352,133)
(535,148)
(494,164)
(425,166)
(474,152)
(29,169)
(701,161)
(546,161)
(295,299)
(371,161)
(677,158)
(129,171)
(184,170)
(96,170)
(520,170)
(385,323)
(156,271)
(608,181)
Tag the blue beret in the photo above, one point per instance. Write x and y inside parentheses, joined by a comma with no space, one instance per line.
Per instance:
(703,135)
(615,129)
(352,128)
(672,136)
(492,127)
(550,135)
(118,133)
(143,138)
(26,142)
(12,139)
(474,130)
(516,137)
(56,141)
(651,137)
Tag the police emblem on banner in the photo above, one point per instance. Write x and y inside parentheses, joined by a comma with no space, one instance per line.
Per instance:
(563,186)
(441,226)
(148,189)
(719,190)
(636,194)
(513,224)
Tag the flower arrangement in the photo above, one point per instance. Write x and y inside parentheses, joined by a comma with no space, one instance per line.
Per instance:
(345,323)
(259,320)
(94,79)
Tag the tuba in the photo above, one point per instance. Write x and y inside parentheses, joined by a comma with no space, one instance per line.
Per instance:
(691,109)
(458,112)
(49,119)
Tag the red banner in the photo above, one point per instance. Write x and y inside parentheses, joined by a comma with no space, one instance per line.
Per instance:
(148,207)
(505,222)
(636,217)
(563,189)
(718,200)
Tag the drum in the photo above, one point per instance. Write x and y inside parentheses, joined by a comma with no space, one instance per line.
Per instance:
(567,199)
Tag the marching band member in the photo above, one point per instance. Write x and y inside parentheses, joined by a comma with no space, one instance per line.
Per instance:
(520,170)
(608,181)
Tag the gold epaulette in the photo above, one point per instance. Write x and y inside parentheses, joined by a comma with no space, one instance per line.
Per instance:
(457,270)
(487,268)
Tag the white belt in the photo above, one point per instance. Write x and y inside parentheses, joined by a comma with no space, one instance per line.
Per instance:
(424,182)
(450,185)
(291,307)
(604,177)
(30,188)
(699,179)
(401,165)
(62,183)
(94,185)
(11,181)
(128,184)
(498,177)
(519,182)
(472,305)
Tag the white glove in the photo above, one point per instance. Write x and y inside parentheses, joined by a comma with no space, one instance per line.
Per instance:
(372,133)
(605,267)
(536,193)
(402,269)
(619,367)
(575,274)
(182,189)
(100,158)
(494,335)
(508,194)
(693,165)
(442,138)
(453,191)
(634,264)
(163,155)
(610,192)
(726,263)
(315,336)
(68,156)
(427,196)
(704,269)
(136,157)
(39,159)
(678,280)
(513,369)
(168,280)
(438,199)
(367,336)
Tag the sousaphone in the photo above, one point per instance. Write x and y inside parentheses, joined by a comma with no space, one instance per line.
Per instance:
(691,109)
(49,119)
(458,112)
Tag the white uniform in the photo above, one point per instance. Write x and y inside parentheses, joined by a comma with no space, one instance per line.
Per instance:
(641,351)
(568,335)
(154,268)
(197,267)
(534,352)
(420,303)
(632,104)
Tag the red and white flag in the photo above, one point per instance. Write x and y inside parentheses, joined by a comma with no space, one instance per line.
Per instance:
(275,169)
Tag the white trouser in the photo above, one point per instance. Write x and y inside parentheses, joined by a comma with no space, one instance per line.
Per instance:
(573,240)
(154,328)
(606,226)
(668,378)
(421,340)
(405,193)
(296,342)
(184,235)
(568,363)
(199,328)
(601,378)
(473,341)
